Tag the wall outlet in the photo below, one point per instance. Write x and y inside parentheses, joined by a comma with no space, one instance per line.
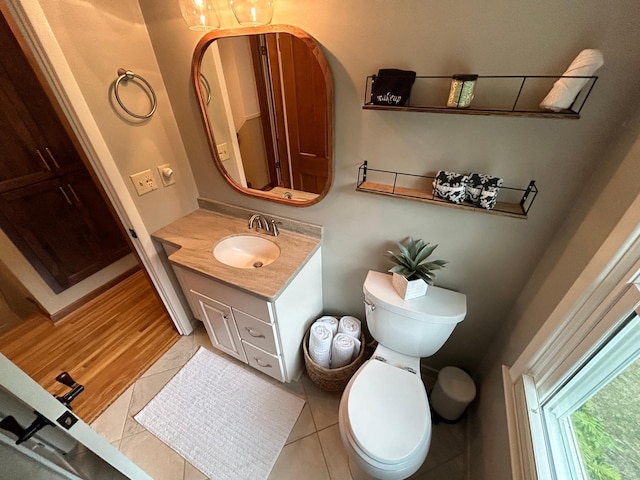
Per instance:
(166,174)
(144,182)
(223,151)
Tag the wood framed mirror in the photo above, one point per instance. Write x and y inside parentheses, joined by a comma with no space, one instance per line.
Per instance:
(266,98)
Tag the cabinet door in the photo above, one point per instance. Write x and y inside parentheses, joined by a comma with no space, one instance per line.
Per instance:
(20,163)
(41,220)
(96,215)
(220,325)
(41,145)
(46,223)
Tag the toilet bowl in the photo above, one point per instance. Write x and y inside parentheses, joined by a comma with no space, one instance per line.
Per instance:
(384,418)
(384,414)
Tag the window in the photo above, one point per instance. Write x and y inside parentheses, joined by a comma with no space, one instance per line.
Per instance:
(551,401)
(588,345)
(593,421)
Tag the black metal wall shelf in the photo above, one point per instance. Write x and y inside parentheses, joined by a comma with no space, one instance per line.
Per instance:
(512,202)
(516,108)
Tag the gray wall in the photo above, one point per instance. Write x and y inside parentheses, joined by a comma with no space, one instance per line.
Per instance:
(491,257)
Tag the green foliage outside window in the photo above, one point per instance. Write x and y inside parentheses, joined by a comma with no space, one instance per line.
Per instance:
(594,443)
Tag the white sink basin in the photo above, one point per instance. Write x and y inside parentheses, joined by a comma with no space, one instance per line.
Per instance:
(246,251)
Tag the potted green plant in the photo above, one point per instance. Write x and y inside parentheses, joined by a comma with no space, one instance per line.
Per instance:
(412,273)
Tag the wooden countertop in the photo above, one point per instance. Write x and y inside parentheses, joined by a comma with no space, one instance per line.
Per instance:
(198,232)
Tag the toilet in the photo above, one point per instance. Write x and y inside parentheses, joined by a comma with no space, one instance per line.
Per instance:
(384,414)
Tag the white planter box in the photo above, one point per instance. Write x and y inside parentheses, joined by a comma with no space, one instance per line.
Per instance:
(408,289)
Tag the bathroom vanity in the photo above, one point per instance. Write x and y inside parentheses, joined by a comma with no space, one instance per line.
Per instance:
(257,315)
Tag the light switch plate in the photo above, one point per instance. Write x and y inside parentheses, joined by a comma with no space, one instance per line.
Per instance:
(166,174)
(144,182)
(223,151)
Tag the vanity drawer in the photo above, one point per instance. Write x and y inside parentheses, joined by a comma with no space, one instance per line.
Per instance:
(256,332)
(263,361)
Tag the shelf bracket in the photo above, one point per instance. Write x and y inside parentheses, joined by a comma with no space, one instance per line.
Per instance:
(531,188)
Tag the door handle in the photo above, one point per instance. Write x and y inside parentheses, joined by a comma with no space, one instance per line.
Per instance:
(76,389)
(43,159)
(11,425)
(53,159)
(66,197)
(73,192)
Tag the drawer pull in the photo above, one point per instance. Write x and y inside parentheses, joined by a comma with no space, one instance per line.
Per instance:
(66,197)
(261,363)
(43,160)
(53,159)
(254,333)
(75,195)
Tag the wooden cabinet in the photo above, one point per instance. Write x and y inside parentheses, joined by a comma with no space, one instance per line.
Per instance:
(265,334)
(62,227)
(49,205)
(35,145)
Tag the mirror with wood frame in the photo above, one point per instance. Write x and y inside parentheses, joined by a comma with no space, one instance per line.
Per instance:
(266,97)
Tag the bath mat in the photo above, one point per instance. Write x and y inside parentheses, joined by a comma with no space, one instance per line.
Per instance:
(226,421)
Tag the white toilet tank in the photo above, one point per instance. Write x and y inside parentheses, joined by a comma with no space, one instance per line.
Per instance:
(416,327)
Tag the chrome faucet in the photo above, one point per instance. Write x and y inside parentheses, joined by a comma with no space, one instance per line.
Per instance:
(274,227)
(261,222)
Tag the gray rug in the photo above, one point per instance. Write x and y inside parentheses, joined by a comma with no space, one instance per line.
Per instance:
(226,421)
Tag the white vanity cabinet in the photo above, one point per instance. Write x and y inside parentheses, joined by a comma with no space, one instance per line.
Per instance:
(266,334)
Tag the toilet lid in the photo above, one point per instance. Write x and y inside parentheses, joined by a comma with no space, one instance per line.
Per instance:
(388,412)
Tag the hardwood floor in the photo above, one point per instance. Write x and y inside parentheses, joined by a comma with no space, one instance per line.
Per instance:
(105,345)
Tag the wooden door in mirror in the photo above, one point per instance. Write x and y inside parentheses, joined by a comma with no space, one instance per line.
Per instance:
(266,98)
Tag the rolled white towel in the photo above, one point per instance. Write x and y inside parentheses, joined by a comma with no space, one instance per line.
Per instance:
(344,349)
(320,337)
(350,326)
(330,322)
(565,90)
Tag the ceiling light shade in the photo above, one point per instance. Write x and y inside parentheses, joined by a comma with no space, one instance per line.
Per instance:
(200,14)
(252,12)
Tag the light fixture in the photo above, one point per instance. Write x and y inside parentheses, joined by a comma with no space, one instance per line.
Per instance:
(252,12)
(200,14)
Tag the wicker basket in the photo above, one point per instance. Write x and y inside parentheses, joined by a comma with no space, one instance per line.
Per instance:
(331,379)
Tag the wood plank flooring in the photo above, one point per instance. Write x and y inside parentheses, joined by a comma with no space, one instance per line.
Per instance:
(105,345)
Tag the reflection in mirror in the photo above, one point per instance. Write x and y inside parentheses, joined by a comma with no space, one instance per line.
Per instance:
(269,113)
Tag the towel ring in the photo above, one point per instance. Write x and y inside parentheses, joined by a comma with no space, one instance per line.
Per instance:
(207,88)
(129,75)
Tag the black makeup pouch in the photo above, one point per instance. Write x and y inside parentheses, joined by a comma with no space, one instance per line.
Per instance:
(392,87)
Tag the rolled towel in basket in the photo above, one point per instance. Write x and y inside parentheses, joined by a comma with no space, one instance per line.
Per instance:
(329,322)
(350,326)
(565,90)
(344,349)
(320,337)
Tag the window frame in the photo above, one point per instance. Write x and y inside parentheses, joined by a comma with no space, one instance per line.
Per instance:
(619,351)
(601,298)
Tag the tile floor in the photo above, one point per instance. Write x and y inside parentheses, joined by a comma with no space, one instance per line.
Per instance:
(313,450)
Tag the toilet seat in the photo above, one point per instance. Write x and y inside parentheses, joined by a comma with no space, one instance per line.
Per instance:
(388,412)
